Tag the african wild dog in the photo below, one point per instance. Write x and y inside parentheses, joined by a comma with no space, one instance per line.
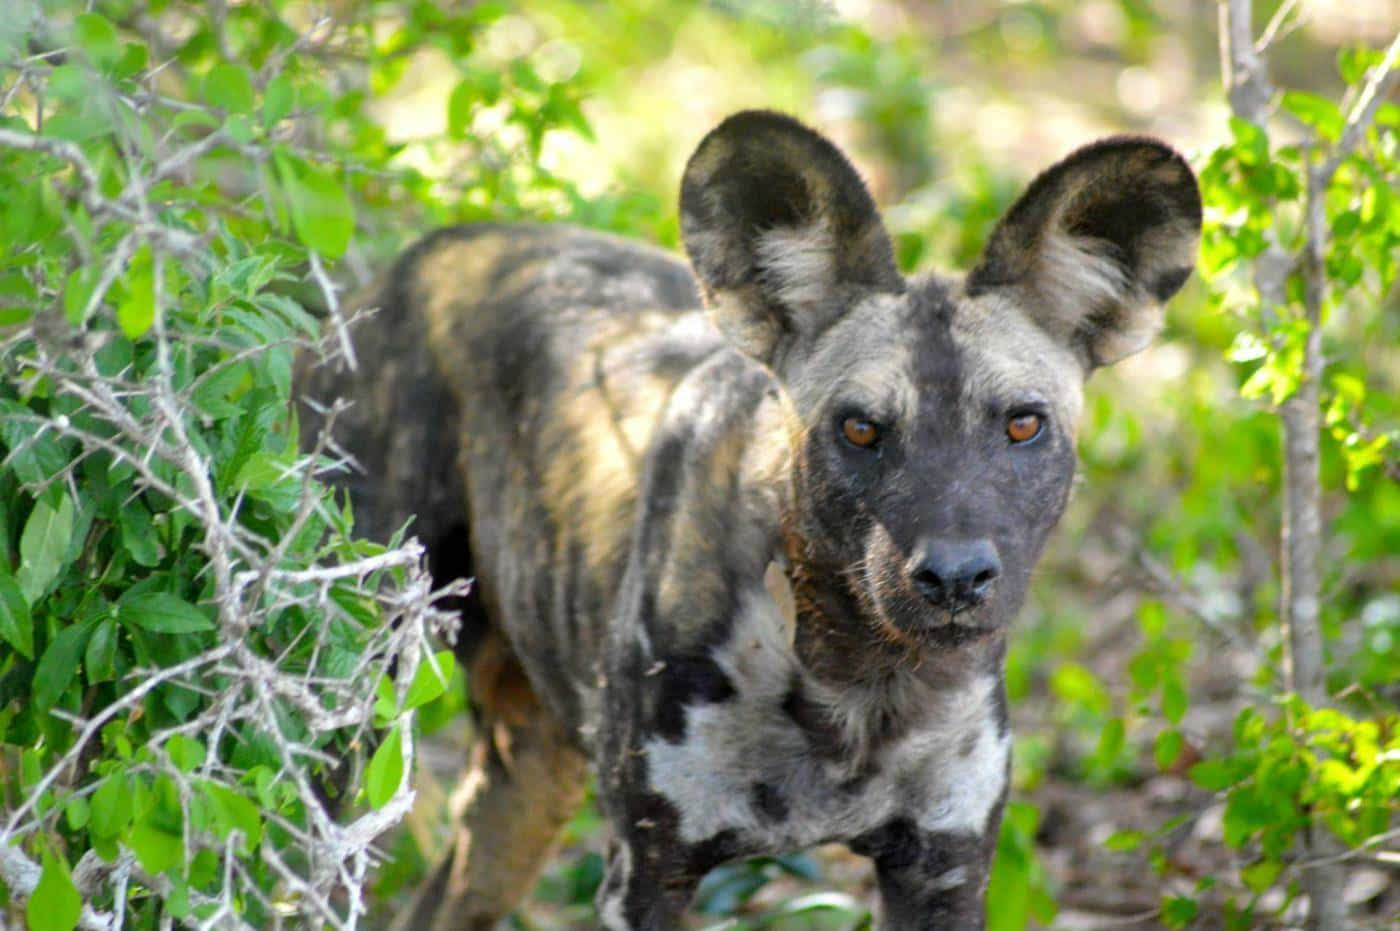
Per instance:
(756,564)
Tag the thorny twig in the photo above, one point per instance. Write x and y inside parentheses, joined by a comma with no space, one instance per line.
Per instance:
(148,425)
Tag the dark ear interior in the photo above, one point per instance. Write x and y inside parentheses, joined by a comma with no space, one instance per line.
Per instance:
(780,230)
(1098,243)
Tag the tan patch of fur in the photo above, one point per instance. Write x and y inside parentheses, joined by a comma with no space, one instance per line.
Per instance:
(523,782)
(592,482)
(753,333)
(767,463)
(452,269)
(775,580)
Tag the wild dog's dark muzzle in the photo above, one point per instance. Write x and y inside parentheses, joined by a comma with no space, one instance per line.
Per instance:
(955,575)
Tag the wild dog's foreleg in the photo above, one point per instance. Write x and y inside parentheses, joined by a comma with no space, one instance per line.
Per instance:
(931,881)
(644,888)
(523,782)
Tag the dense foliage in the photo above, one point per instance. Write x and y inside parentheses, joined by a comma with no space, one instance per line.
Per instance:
(211,691)
(197,652)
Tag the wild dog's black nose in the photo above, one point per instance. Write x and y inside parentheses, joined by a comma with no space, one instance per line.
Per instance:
(956,574)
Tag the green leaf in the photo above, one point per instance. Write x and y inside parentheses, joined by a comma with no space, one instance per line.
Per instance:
(1352,63)
(1251,142)
(97,37)
(385,705)
(100,660)
(1318,112)
(1111,741)
(156,849)
(43,546)
(1260,876)
(1125,840)
(229,87)
(16,626)
(185,752)
(1213,775)
(427,684)
(35,454)
(77,291)
(59,664)
(55,904)
(235,812)
(1167,747)
(385,771)
(278,99)
(460,105)
(1174,700)
(1178,911)
(321,212)
(136,311)
(138,536)
(77,811)
(111,808)
(162,613)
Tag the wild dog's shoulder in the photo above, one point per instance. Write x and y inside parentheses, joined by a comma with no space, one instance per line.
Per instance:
(711,485)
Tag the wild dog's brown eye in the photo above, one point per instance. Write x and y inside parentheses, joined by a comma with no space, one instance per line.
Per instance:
(859,432)
(1022,428)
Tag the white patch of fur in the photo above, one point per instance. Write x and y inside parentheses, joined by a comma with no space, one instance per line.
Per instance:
(1074,275)
(744,326)
(798,263)
(961,790)
(1137,327)
(610,909)
(731,746)
(952,879)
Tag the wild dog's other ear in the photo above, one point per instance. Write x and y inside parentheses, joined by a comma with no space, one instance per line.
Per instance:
(1098,243)
(781,231)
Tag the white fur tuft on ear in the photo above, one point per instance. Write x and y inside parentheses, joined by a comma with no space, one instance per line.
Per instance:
(1075,272)
(1080,282)
(798,263)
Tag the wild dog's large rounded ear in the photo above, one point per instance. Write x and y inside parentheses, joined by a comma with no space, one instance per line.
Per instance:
(781,232)
(1097,244)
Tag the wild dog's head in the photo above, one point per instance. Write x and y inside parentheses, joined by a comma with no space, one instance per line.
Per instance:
(936,447)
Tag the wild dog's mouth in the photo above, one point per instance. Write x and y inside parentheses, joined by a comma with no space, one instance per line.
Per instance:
(910,621)
(905,618)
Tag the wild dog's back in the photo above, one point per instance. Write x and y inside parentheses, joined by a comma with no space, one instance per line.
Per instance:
(506,390)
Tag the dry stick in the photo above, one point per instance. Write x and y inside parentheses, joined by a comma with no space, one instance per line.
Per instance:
(1250,91)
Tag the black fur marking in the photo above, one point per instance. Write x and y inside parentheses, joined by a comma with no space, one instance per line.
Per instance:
(450,558)
(768,801)
(929,880)
(665,869)
(687,681)
(822,734)
(1168,283)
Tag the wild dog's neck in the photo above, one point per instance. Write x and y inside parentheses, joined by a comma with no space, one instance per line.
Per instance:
(859,691)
